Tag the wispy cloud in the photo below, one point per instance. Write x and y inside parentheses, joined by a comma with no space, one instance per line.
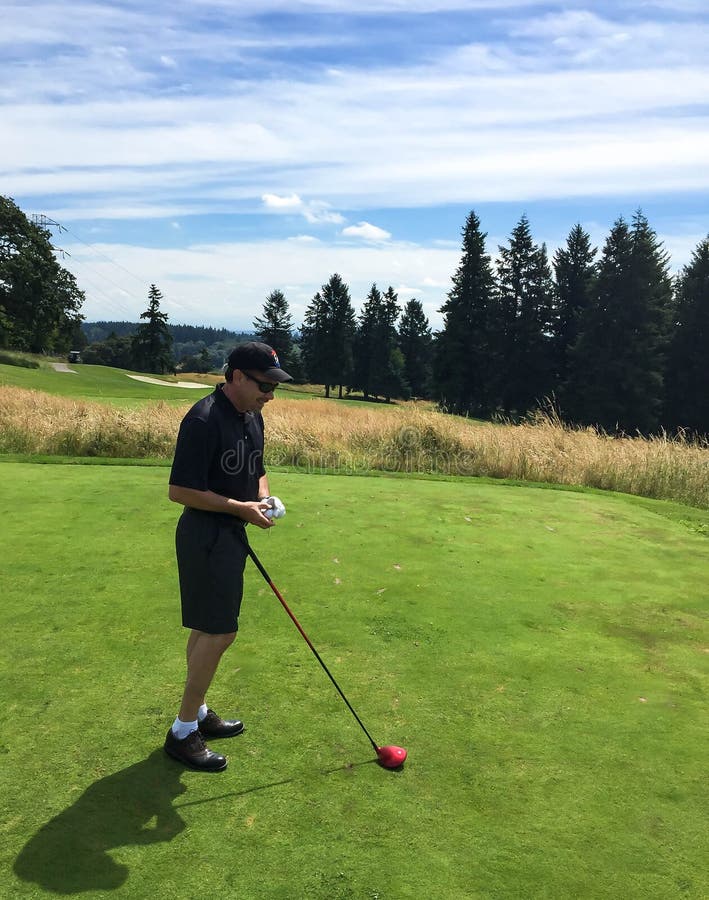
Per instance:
(367,232)
(227,282)
(314,211)
(183,110)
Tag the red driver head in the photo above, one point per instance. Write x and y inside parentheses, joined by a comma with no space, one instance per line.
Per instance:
(391,757)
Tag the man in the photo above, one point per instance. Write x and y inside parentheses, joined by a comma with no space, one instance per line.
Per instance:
(219,477)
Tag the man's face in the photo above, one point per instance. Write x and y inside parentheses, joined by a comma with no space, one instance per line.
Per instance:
(252,390)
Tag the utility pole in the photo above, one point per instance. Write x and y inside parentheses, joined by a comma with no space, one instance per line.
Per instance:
(42,221)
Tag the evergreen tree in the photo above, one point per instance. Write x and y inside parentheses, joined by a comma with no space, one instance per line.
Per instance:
(151,344)
(466,350)
(618,361)
(527,303)
(328,334)
(389,378)
(275,328)
(364,361)
(39,299)
(341,332)
(296,364)
(378,365)
(312,342)
(574,274)
(594,383)
(416,345)
(687,388)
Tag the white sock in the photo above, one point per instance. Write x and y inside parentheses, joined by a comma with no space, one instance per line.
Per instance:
(202,713)
(181,729)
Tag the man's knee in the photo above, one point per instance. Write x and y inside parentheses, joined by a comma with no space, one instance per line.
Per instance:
(222,642)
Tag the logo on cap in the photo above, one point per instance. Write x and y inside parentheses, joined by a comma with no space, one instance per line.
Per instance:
(275,359)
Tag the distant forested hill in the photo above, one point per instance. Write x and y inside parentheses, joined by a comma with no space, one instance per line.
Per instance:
(189,342)
(181,334)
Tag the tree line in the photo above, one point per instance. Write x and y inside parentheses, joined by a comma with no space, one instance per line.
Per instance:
(194,348)
(610,339)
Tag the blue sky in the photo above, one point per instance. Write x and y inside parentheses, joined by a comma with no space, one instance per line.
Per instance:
(226,148)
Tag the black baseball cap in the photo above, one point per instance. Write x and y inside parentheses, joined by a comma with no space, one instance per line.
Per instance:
(259,357)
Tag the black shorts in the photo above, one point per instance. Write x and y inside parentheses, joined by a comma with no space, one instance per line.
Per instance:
(211,555)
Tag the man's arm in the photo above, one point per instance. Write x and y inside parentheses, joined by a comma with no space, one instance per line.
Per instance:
(263,489)
(249,511)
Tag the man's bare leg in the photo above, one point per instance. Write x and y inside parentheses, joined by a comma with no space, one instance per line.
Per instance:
(204,652)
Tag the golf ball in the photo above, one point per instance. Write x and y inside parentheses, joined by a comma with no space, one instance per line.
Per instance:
(277,510)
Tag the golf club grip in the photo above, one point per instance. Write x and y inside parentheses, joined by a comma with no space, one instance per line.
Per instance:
(307,640)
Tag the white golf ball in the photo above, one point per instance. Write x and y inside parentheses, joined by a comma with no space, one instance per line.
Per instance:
(277,510)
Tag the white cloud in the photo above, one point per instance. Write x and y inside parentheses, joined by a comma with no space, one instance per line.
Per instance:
(413,139)
(318,213)
(367,232)
(606,100)
(274,201)
(372,6)
(314,211)
(228,283)
(586,37)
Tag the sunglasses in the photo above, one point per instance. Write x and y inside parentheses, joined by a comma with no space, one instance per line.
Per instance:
(266,387)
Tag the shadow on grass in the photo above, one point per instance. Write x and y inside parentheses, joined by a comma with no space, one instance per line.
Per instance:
(265,787)
(135,806)
(131,807)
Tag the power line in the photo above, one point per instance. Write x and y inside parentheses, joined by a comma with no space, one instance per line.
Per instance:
(112,302)
(44,221)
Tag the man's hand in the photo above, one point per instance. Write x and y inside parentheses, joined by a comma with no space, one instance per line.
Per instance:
(253,511)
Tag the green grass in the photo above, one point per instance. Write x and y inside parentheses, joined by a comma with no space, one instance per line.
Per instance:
(100,383)
(109,385)
(541,654)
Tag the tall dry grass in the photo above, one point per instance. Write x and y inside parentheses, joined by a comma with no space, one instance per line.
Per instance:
(39,423)
(315,435)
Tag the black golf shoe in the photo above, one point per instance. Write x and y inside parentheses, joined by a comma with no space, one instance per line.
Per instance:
(193,752)
(214,726)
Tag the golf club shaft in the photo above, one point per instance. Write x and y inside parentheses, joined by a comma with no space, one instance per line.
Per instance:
(307,640)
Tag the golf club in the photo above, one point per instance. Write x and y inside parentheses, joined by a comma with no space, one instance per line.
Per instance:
(389,757)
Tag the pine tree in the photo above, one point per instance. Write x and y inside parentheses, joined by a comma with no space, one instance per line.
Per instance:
(616,380)
(593,388)
(365,342)
(378,368)
(151,345)
(275,328)
(342,328)
(574,274)
(312,342)
(328,334)
(647,349)
(416,345)
(687,387)
(528,313)
(465,350)
(389,378)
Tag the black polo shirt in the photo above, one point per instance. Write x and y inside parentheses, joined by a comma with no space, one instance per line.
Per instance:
(219,449)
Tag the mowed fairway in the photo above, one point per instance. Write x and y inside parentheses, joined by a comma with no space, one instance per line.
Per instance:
(541,654)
